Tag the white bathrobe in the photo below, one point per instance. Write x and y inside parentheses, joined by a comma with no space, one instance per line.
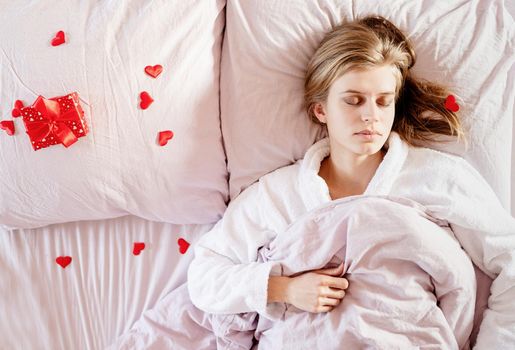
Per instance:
(224,276)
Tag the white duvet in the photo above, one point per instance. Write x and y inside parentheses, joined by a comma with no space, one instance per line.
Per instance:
(411,286)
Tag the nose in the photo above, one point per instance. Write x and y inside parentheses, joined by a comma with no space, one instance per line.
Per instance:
(370,112)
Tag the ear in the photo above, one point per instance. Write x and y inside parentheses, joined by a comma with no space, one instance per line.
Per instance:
(320,112)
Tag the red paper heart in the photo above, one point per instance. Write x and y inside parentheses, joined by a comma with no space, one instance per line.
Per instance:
(450,104)
(138,247)
(58,38)
(146,100)
(154,71)
(183,245)
(8,126)
(16,110)
(164,136)
(63,261)
(18,104)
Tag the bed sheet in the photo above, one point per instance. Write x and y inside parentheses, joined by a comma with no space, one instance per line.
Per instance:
(100,294)
(511,10)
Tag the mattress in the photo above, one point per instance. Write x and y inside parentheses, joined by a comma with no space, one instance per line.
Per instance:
(100,293)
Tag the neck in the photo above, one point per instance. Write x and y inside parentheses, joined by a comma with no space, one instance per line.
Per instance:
(347,174)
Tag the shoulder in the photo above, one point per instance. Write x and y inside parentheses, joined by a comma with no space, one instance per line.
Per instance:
(269,203)
(428,157)
(430,161)
(269,185)
(451,188)
(436,167)
(281,175)
(281,185)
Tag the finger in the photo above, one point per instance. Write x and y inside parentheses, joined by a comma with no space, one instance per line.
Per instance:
(333,271)
(334,293)
(339,266)
(321,309)
(336,282)
(324,301)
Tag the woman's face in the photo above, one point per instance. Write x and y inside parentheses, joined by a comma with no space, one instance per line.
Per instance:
(360,109)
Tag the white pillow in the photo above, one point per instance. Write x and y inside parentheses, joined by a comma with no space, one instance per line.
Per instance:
(118,168)
(468,46)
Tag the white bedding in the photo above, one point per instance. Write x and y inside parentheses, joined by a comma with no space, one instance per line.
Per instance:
(511,10)
(100,294)
(118,168)
(106,287)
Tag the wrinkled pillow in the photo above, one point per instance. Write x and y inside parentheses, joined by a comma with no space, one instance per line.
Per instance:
(118,168)
(468,46)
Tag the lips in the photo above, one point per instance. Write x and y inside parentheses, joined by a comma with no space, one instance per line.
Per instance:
(368,132)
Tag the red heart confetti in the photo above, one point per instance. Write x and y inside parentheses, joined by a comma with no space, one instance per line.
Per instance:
(58,38)
(450,104)
(183,245)
(146,100)
(63,261)
(18,104)
(154,71)
(16,112)
(138,247)
(164,136)
(8,126)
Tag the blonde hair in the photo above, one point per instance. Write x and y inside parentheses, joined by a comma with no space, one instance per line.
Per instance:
(374,41)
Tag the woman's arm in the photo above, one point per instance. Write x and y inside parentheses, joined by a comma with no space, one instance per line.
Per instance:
(313,291)
(277,289)
(224,276)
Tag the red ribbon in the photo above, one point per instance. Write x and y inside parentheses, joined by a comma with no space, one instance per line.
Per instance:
(52,123)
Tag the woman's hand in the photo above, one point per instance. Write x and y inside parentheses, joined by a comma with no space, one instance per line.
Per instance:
(313,291)
(317,291)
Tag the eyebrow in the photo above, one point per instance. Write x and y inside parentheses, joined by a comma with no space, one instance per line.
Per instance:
(359,92)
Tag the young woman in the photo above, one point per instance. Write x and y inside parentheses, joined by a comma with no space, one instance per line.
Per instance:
(360,86)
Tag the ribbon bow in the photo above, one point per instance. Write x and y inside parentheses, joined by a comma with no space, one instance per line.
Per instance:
(52,123)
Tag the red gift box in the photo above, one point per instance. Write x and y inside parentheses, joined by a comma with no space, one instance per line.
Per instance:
(55,120)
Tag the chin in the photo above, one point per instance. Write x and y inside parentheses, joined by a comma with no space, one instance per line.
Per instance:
(369,149)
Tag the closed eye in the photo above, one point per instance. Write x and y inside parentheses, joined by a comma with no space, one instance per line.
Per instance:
(384,103)
(353,101)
